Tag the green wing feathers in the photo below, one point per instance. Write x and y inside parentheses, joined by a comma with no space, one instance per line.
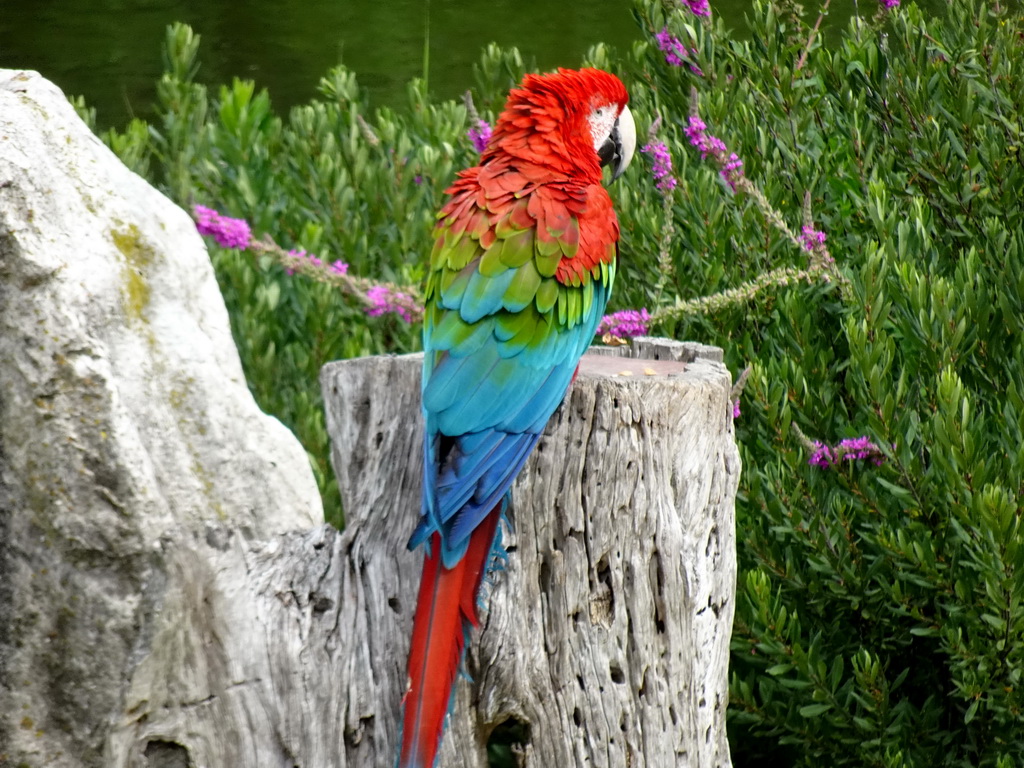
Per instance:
(496,268)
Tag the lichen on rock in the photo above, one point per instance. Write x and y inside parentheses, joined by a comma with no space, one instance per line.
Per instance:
(138,256)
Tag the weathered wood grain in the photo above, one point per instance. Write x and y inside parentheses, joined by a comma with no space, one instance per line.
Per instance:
(606,636)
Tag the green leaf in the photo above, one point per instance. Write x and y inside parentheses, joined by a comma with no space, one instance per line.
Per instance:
(971,711)
(814,710)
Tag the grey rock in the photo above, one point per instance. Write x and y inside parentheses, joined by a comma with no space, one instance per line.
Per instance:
(128,437)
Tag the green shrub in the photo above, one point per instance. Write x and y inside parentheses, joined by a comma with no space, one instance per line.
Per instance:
(879,619)
(879,616)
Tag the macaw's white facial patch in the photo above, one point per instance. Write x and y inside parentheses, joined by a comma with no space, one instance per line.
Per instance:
(602,122)
(614,141)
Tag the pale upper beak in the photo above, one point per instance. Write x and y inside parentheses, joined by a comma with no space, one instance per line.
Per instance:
(621,144)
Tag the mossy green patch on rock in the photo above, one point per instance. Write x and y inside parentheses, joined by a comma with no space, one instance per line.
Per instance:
(208,486)
(138,256)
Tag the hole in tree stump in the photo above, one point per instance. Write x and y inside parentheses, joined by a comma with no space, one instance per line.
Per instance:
(507,738)
(545,576)
(166,754)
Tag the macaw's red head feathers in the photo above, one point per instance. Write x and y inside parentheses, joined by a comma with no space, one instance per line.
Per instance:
(570,122)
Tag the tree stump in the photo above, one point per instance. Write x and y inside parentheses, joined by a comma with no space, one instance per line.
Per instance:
(605,638)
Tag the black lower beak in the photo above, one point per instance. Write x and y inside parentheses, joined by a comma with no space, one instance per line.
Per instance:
(611,153)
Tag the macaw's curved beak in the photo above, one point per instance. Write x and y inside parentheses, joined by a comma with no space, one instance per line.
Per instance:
(618,150)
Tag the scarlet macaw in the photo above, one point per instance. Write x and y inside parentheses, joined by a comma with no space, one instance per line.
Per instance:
(519,278)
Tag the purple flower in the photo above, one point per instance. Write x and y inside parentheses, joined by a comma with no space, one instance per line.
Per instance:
(729,164)
(694,130)
(339,267)
(417,179)
(699,7)
(850,449)
(228,232)
(383,299)
(697,132)
(813,242)
(731,171)
(811,238)
(661,167)
(822,456)
(889,4)
(855,448)
(675,52)
(480,134)
(736,408)
(298,255)
(205,218)
(625,324)
(672,47)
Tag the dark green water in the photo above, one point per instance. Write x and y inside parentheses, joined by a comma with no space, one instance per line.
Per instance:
(109,50)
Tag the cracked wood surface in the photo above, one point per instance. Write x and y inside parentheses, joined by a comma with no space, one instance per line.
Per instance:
(605,641)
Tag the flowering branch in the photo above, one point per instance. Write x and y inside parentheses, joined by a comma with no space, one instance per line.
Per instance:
(737,391)
(729,164)
(661,165)
(384,298)
(731,170)
(228,232)
(716,302)
(378,298)
(666,183)
(677,54)
(826,456)
(822,266)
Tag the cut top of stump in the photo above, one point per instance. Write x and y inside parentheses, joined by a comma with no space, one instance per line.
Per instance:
(606,365)
(646,356)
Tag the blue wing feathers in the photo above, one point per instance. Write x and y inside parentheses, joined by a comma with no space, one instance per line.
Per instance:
(440,391)
(469,516)
(450,334)
(485,295)
(491,382)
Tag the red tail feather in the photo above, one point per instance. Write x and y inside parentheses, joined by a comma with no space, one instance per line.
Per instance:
(445,610)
